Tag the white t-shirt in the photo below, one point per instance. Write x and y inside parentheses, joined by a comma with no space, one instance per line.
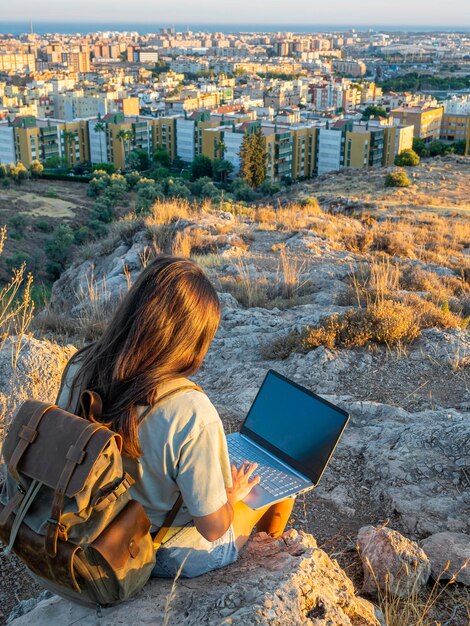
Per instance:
(184,450)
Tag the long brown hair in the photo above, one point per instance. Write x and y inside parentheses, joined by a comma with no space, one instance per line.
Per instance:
(161,330)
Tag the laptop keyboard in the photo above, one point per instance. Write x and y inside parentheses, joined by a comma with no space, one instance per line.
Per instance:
(275,481)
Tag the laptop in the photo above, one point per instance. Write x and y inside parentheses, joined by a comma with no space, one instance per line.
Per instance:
(291,433)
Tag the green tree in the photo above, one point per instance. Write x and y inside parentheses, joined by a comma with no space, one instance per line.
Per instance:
(407,158)
(222,170)
(104,167)
(36,168)
(201,166)
(253,159)
(373,111)
(397,179)
(459,147)
(69,146)
(138,160)
(100,128)
(420,147)
(161,157)
(126,137)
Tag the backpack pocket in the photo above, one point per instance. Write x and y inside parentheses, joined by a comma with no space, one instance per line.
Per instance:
(122,558)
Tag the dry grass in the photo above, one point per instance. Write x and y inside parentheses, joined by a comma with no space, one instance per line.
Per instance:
(253,289)
(16,315)
(420,607)
(287,218)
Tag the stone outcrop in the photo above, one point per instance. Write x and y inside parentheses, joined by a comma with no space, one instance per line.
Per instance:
(30,368)
(449,554)
(391,562)
(275,581)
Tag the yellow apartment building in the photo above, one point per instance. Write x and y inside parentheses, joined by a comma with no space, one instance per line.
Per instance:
(164,135)
(456,127)
(14,61)
(303,151)
(426,121)
(396,139)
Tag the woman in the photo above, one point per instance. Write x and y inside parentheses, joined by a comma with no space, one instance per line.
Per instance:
(160,332)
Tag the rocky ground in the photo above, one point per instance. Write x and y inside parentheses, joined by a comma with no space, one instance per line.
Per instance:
(405,457)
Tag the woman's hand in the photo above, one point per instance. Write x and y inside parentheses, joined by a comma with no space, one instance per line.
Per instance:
(243,481)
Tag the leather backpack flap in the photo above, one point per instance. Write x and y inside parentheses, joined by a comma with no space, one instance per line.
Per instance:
(52,444)
(30,548)
(121,540)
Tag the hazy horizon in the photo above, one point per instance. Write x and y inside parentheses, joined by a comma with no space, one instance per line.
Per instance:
(341,13)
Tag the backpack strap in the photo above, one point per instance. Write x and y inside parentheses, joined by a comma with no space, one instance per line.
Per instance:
(75,456)
(27,435)
(169,519)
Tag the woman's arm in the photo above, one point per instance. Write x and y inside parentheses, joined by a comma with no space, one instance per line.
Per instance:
(213,526)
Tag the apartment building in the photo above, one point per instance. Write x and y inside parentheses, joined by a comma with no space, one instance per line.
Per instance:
(350,68)
(455,127)
(425,120)
(396,139)
(17,61)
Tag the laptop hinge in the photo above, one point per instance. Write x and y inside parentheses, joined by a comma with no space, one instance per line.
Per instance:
(277,459)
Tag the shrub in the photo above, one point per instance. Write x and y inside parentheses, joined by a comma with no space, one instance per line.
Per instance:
(3,170)
(407,158)
(397,179)
(36,168)
(201,166)
(107,168)
(59,248)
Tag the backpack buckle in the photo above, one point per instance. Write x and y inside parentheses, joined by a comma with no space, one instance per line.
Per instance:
(61,529)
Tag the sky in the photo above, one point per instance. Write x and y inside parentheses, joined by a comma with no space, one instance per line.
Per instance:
(341,12)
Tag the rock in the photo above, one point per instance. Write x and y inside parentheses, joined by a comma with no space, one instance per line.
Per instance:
(275,581)
(37,374)
(391,562)
(444,547)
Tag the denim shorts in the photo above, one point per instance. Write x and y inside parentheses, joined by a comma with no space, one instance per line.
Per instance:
(188,554)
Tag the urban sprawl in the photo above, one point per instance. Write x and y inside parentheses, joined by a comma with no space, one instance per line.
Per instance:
(315,103)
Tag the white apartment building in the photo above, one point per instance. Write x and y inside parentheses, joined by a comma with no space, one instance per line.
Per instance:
(98,143)
(185,139)
(330,151)
(7,144)
(457,105)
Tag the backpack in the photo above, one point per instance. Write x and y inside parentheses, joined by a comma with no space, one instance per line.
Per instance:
(65,508)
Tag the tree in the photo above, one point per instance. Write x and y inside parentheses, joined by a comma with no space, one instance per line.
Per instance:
(3,170)
(36,168)
(253,159)
(437,148)
(373,111)
(18,172)
(100,128)
(138,160)
(397,179)
(201,166)
(407,158)
(69,145)
(125,136)
(104,167)
(420,147)
(161,157)
(222,170)
(459,147)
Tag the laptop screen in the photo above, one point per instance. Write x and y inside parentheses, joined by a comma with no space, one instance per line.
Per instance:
(294,424)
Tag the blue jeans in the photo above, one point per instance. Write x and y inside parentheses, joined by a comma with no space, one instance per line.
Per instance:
(188,554)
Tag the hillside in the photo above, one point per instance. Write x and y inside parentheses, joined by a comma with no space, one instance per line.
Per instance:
(358,292)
